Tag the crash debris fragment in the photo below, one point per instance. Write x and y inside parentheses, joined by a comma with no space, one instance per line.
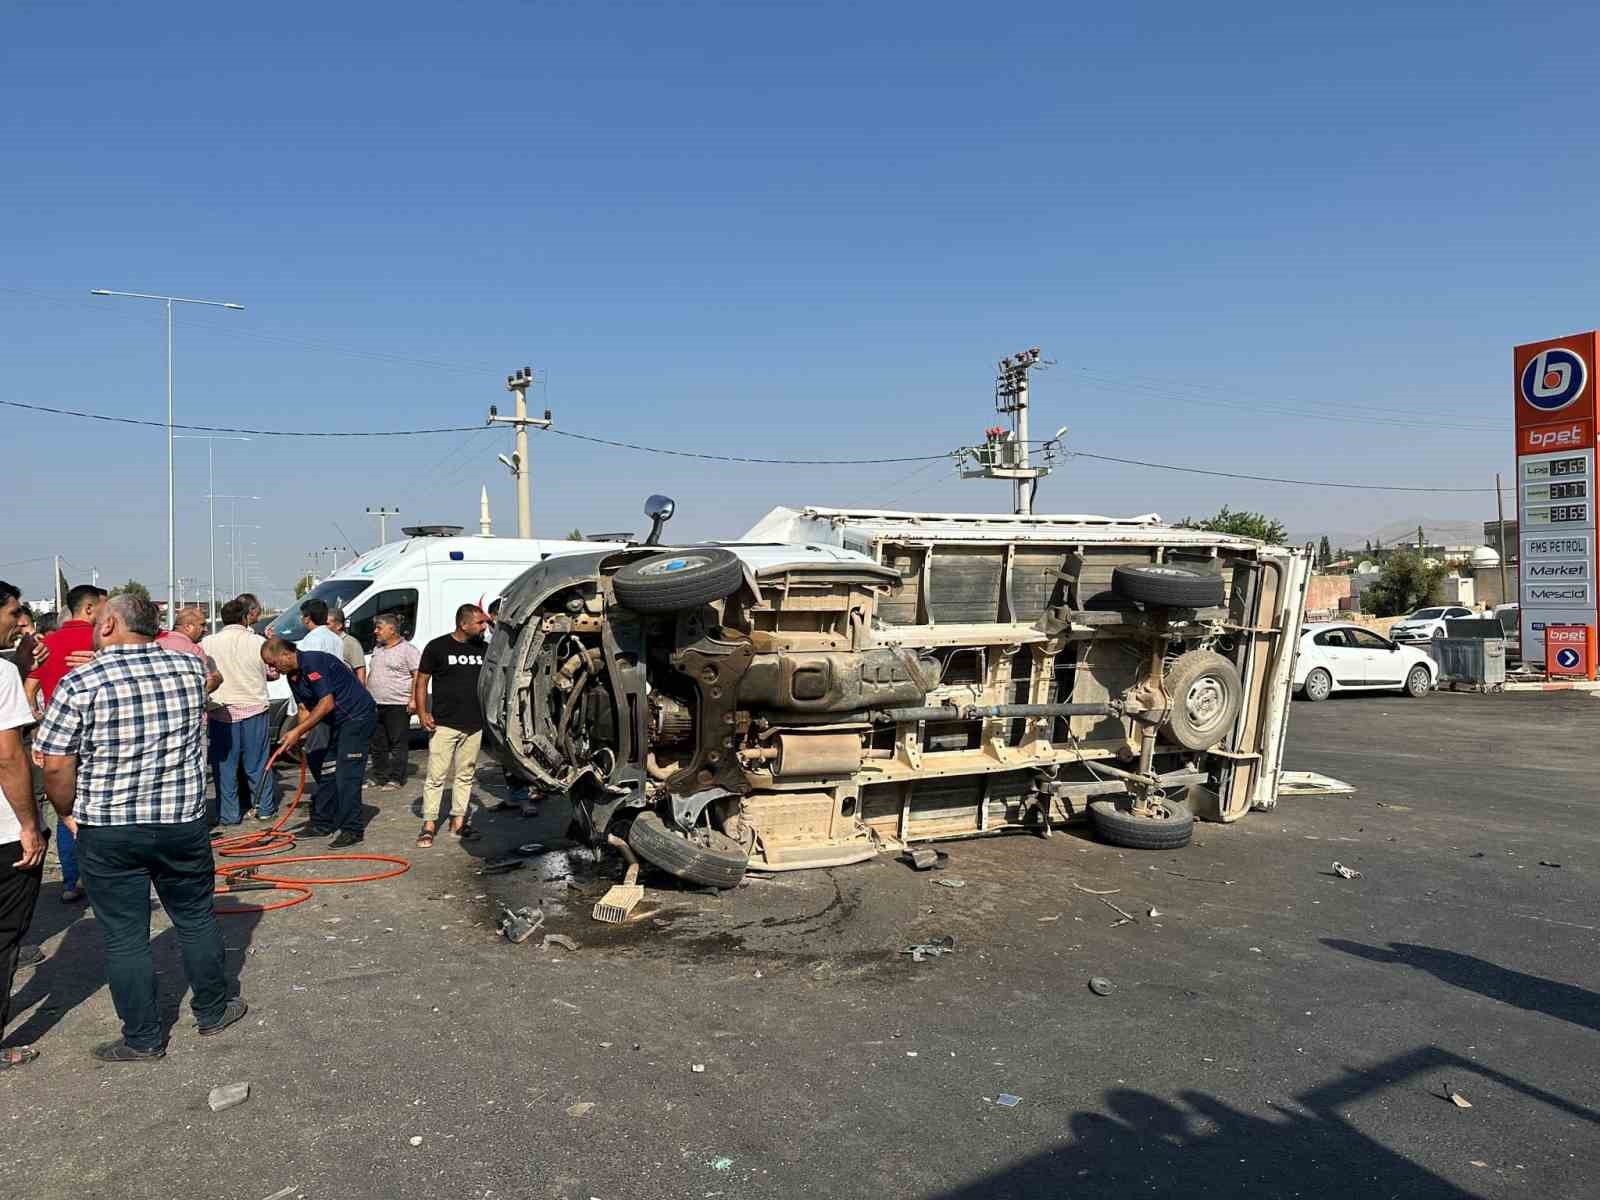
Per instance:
(932,948)
(558,939)
(1344,872)
(1007,1100)
(1100,985)
(228,1095)
(520,924)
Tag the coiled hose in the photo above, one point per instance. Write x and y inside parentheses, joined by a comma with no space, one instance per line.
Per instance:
(270,845)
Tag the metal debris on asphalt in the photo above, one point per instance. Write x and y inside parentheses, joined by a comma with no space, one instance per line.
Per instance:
(581,1110)
(558,939)
(698,1068)
(956,883)
(519,925)
(1547,863)
(1153,913)
(415,1140)
(1100,985)
(1459,1100)
(228,1095)
(1007,1100)
(1048,920)
(932,948)
(1344,872)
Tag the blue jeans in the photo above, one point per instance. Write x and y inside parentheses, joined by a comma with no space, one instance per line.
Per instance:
(120,863)
(242,743)
(67,852)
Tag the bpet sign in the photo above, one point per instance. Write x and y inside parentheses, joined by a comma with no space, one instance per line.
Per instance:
(1556,416)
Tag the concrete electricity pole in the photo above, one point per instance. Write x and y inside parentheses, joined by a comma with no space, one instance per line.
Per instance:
(1005,454)
(518,386)
(383,514)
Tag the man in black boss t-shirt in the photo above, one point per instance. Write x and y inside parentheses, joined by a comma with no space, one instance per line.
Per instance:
(452,663)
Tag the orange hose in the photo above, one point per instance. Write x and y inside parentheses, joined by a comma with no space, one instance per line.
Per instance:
(272,842)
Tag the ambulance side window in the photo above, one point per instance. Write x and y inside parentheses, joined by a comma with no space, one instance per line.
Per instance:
(400,601)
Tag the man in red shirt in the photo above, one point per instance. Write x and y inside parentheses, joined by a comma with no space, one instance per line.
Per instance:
(73,641)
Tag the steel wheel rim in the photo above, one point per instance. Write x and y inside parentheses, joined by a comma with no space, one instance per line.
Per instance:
(1206,701)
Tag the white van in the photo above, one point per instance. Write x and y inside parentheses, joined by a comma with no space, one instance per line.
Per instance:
(423,579)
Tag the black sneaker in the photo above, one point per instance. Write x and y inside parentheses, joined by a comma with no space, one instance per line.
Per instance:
(119,1051)
(230,1014)
(345,838)
(311,831)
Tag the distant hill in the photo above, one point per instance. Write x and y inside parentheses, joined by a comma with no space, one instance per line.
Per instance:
(1437,532)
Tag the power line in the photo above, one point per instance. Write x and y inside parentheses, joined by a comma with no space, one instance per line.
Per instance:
(696,454)
(1359,487)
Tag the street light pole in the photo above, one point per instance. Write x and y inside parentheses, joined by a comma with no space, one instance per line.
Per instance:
(172,491)
(211,501)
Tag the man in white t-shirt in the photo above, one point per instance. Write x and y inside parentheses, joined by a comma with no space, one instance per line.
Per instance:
(22,839)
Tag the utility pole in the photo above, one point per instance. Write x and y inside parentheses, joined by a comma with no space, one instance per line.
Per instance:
(383,514)
(211,439)
(1005,452)
(518,385)
(1500,530)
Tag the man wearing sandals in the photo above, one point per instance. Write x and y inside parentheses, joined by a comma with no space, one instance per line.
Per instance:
(452,662)
(123,767)
(22,838)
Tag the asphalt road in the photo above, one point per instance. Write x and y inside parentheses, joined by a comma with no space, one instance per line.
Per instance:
(1274,1031)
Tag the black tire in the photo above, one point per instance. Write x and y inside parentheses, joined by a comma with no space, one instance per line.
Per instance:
(712,859)
(678,580)
(1419,682)
(1168,585)
(1319,690)
(1142,833)
(1110,602)
(1206,694)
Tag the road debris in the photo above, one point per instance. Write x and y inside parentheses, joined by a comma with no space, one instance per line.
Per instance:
(1007,1100)
(1100,985)
(1153,913)
(956,883)
(721,1164)
(1459,1100)
(582,1109)
(1092,892)
(228,1095)
(1048,920)
(1344,872)
(415,1139)
(519,925)
(617,905)
(558,939)
(283,1193)
(932,948)
(1127,917)
(698,1068)
(923,859)
(1547,863)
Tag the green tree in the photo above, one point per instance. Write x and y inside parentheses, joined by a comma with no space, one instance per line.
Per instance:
(304,584)
(575,536)
(1240,524)
(132,588)
(1406,582)
(1326,551)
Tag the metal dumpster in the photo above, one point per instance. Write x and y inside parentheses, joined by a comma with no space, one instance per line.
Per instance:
(1472,655)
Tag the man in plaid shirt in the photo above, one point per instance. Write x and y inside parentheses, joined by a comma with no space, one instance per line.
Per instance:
(123,766)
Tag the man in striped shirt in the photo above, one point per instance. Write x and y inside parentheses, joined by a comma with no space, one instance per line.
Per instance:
(123,766)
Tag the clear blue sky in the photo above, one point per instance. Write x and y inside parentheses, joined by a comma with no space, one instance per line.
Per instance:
(805,231)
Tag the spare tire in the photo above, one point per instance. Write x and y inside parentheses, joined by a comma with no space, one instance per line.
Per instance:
(678,580)
(1168,585)
(705,857)
(1142,833)
(1206,694)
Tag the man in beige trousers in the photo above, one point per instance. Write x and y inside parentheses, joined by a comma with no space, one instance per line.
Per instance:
(454,721)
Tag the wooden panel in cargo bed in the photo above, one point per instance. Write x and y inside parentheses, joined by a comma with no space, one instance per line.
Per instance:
(900,607)
(1034,579)
(964,585)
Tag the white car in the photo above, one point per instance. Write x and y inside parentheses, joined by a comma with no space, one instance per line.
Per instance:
(1428,623)
(1349,658)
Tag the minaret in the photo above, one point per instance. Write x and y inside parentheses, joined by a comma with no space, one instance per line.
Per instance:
(485,525)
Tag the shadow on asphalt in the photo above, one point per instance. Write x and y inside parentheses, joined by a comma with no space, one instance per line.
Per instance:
(1564,1001)
(75,967)
(1143,1145)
